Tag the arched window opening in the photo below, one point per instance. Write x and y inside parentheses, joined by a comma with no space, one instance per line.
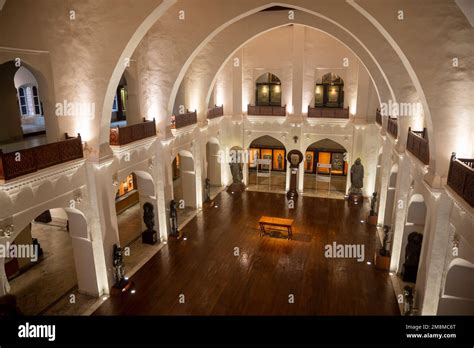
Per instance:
(119,106)
(268,91)
(330,92)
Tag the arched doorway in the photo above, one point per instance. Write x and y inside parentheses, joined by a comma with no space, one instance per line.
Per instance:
(213,168)
(53,259)
(22,107)
(267,165)
(268,90)
(184,185)
(412,238)
(120,105)
(325,169)
(457,297)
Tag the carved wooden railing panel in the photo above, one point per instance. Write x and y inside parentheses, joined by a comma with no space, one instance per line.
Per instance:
(266,110)
(418,145)
(216,111)
(328,112)
(392,127)
(183,120)
(22,162)
(125,135)
(461,178)
(378,117)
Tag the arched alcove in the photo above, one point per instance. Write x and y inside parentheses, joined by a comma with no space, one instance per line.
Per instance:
(325,169)
(213,167)
(268,90)
(184,185)
(391,192)
(54,257)
(457,297)
(267,165)
(329,91)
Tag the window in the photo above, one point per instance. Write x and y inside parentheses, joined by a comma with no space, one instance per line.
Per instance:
(330,92)
(29,101)
(115,104)
(268,90)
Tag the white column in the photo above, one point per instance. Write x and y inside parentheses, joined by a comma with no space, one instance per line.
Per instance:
(237,80)
(298,69)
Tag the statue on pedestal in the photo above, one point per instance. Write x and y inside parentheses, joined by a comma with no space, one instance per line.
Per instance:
(207,189)
(373,202)
(412,257)
(119,265)
(237,178)
(149,236)
(174,218)
(357,178)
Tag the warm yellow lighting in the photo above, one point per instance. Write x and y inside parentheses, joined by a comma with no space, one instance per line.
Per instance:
(318,90)
(265,90)
(277,89)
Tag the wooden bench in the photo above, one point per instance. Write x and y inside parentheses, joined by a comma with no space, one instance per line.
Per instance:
(276,224)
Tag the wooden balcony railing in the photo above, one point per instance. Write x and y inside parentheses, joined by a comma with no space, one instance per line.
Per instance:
(216,111)
(418,145)
(266,110)
(328,112)
(22,162)
(125,135)
(378,117)
(461,178)
(183,120)
(392,127)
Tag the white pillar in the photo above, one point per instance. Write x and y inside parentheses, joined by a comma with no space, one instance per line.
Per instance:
(298,69)
(237,80)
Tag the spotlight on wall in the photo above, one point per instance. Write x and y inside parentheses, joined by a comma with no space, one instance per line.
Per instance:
(295,138)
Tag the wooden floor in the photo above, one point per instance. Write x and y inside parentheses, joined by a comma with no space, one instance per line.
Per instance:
(259,281)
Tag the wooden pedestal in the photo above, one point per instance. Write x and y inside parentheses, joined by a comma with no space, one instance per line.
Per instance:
(149,237)
(372,220)
(382,262)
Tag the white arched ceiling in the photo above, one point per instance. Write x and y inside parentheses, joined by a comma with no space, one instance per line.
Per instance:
(122,64)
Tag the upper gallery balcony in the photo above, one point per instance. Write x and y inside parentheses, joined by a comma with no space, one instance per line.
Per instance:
(328,112)
(124,135)
(418,145)
(183,120)
(266,110)
(392,127)
(17,163)
(216,111)
(461,178)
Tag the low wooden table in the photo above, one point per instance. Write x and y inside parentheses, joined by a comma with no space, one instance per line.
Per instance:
(276,224)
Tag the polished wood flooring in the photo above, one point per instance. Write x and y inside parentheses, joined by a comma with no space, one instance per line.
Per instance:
(268,269)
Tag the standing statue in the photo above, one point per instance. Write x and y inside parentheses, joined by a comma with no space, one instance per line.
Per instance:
(149,236)
(207,189)
(236,170)
(373,202)
(174,218)
(412,257)
(119,265)
(309,164)
(357,178)
(280,161)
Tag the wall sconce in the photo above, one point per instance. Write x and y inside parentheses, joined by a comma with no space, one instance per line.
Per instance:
(115,180)
(295,138)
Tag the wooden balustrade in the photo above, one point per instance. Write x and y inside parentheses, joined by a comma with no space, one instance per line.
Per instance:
(418,145)
(328,112)
(392,127)
(216,111)
(378,117)
(22,162)
(266,110)
(461,178)
(124,135)
(183,120)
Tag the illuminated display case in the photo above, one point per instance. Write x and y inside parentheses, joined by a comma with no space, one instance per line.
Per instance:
(339,165)
(329,93)
(276,155)
(127,194)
